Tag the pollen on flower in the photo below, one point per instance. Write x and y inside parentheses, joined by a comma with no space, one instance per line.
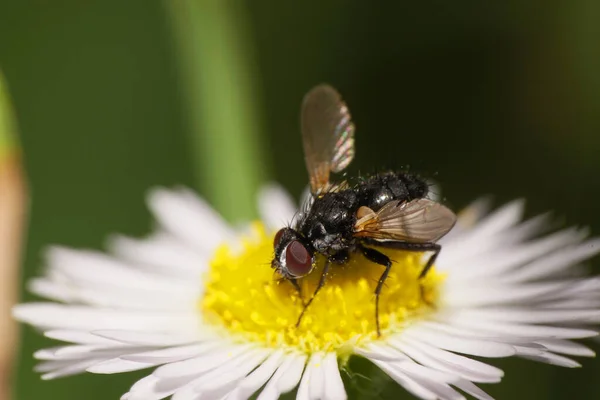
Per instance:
(245,296)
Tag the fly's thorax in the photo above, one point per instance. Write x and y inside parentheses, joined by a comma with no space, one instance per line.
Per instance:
(331,216)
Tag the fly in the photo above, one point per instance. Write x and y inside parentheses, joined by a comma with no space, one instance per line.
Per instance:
(387,210)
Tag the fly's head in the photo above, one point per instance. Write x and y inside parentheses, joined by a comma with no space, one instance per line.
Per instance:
(294,257)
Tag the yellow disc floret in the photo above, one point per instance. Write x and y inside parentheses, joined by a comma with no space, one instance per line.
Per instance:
(248,298)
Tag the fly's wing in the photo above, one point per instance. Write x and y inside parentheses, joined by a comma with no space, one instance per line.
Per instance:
(416,221)
(327,135)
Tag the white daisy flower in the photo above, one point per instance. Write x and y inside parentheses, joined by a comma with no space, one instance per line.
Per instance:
(198,302)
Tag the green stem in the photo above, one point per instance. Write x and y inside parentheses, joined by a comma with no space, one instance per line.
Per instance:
(218,78)
(8,136)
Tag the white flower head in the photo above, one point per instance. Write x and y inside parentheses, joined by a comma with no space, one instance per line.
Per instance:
(199,303)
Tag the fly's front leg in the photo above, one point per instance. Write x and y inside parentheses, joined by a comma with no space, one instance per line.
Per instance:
(319,286)
(296,285)
(378,258)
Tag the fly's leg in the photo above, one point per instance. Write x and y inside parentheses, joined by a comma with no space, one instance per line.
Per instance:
(319,286)
(406,246)
(296,285)
(436,248)
(378,258)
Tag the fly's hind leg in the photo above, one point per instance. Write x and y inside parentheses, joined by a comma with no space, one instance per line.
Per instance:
(378,258)
(436,248)
(417,247)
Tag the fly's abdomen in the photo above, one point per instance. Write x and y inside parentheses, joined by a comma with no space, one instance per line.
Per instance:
(378,190)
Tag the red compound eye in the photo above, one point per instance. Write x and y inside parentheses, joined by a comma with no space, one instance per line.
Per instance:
(297,259)
(278,237)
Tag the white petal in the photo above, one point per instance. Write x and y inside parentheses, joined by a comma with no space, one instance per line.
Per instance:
(203,363)
(116,365)
(503,218)
(528,315)
(96,269)
(162,253)
(460,345)
(529,351)
(436,381)
(415,370)
(470,295)
(143,386)
(334,387)
(292,375)
(189,218)
(467,368)
(48,366)
(405,381)
(186,394)
(473,390)
(467,332)
(153,388)
(525,230)
(380,352)
(145,338)
(232,375)
(257,378)
(276,207)
(556,261)
(467,218)
(304,388)
(477,239)
(79,352)
(70,369)
(523,330)
(172,354)
(50,315)
(271,391)
(503,259)
(567,347)
(554,359)
(65,290)
(50,290)
(317,383)
(79,337)
(231,369)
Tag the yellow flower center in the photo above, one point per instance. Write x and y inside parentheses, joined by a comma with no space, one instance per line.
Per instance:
(246,297)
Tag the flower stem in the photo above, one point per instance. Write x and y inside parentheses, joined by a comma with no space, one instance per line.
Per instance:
(220,101)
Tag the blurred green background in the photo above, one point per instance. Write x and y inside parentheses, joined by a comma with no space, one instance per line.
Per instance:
(497,98)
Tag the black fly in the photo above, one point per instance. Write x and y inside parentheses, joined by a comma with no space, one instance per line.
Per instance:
(389,210)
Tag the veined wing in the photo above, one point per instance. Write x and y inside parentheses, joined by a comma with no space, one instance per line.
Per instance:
(416,221)
(327,135)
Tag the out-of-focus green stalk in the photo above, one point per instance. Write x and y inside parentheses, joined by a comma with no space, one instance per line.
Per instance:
(8,136)
(12,221)
(218,80)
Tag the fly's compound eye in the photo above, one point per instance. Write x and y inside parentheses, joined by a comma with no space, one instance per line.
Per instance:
(277,238)
(298,260)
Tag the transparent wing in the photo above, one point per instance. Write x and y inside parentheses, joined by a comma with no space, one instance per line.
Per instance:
(416,221)
(327,135)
